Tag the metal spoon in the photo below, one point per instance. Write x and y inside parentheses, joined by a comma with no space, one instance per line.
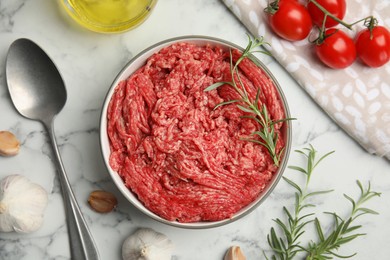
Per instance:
(38,93)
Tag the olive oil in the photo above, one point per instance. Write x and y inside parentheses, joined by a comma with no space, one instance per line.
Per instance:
(109,15)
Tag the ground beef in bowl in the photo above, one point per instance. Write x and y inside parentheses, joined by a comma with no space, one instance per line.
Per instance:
(185,160)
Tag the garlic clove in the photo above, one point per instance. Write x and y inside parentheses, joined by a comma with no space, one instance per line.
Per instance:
(22,204)
(9,144)
(102,201)
(147,244)
(234,253)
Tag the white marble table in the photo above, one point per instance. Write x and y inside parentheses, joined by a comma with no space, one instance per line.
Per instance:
(89,62)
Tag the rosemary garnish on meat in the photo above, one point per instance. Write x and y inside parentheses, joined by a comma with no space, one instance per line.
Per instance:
(288,244)
(267,134)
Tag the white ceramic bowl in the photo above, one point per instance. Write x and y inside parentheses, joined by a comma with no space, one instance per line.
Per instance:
(137,62)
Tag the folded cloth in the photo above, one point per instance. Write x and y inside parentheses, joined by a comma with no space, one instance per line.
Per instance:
(356,98)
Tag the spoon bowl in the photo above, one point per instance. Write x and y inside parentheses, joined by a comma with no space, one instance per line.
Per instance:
(35,85)
(38,93)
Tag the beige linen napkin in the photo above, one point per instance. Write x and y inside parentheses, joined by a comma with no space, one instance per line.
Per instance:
(356,98)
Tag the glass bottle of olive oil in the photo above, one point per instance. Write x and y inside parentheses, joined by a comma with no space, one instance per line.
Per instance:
(109,15)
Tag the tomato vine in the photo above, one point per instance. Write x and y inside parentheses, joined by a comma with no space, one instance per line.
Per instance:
(294,21)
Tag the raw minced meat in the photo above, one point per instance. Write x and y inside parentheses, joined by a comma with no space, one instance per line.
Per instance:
(185,160)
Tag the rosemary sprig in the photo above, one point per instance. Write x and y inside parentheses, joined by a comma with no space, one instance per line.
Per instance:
(287,246)
(343,231)
(267,134)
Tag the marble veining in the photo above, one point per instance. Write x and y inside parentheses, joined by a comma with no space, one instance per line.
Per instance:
(89,63)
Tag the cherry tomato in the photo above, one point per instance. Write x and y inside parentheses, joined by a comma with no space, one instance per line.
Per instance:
(335,7)
(291,21)
(337,50)
(374,51)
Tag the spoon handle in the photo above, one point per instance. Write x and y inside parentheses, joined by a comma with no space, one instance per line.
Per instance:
(82,245)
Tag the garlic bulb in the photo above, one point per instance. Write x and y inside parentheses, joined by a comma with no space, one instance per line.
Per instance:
(21,204)
(147,244)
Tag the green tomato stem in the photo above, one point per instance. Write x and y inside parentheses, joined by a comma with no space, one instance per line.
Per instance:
(272,8)
(372,21)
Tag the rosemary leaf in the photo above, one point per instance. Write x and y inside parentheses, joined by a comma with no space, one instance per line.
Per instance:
(217,85)
(297,168)
(256,141)
(347,239)
(245,109)
(296,186)
(351,229)
(301,218)
(367,211)
(226,103)
(319,230)
(314,193)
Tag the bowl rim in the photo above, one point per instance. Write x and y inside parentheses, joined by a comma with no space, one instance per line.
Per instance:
(141,57)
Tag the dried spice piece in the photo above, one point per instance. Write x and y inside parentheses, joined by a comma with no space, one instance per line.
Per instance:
(102,201)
